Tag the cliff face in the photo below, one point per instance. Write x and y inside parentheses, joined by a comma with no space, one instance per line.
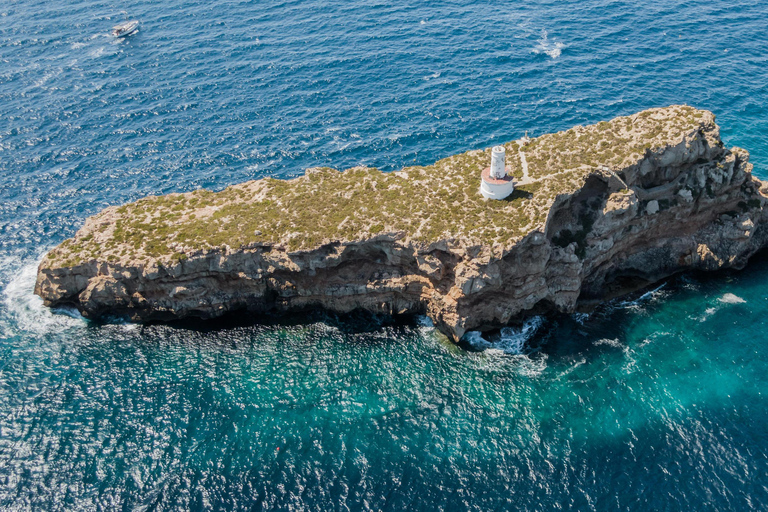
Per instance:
(592,222)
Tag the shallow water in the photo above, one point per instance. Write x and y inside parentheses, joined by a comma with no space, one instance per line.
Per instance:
(650,403)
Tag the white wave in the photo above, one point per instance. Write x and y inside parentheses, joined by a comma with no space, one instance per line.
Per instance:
(532,367)
(475,339)
(425,327)
(615,343)
(724,301)
(658,335)
(648,296)
(580,318)
(424,321)
(730,298)
(707,313)
(511,340)
(552,48)
(525,365)
(26,310)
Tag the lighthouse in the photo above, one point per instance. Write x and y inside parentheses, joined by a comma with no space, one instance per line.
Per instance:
(496,183)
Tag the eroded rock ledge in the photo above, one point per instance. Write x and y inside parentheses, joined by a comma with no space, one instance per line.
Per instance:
(607,208)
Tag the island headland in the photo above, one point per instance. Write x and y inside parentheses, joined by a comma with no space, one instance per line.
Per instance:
(597,211)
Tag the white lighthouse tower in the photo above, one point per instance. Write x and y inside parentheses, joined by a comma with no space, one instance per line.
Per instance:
(496,183)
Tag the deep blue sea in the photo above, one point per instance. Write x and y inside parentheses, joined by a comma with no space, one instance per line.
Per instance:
(655,402)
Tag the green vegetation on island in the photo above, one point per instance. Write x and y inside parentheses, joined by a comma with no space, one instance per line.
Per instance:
(423,203)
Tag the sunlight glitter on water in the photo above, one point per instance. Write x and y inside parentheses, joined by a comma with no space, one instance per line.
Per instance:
(664,392)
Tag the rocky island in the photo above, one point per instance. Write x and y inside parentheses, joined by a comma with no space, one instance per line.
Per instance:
(598,211)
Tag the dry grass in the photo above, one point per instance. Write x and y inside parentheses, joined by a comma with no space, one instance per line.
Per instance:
(423,204)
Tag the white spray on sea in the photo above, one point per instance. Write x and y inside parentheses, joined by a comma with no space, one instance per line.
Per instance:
(23,310)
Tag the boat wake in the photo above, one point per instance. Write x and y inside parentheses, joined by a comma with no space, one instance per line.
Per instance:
(551,48)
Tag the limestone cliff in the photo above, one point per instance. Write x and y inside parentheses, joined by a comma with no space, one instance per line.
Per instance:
(602,210)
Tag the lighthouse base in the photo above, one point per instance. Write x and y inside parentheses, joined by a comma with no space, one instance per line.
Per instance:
(495,188)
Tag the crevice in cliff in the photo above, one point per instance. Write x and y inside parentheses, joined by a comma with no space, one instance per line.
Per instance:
(573,220)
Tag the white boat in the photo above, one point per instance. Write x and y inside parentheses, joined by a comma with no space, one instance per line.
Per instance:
(125,29)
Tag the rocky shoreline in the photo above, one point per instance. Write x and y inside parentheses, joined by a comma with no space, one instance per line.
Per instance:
(594,223)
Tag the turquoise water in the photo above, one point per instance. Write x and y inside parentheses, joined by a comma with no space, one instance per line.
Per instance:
(655,402)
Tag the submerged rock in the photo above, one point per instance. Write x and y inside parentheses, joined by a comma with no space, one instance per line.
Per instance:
(605,209)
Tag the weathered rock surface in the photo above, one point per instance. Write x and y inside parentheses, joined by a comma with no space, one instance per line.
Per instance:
(688,204)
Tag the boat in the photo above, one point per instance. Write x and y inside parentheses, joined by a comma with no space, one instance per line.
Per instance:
(125,29)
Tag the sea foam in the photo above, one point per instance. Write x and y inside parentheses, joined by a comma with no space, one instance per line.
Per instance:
(730,298)
(552,48)
(25,309)
(511,340)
